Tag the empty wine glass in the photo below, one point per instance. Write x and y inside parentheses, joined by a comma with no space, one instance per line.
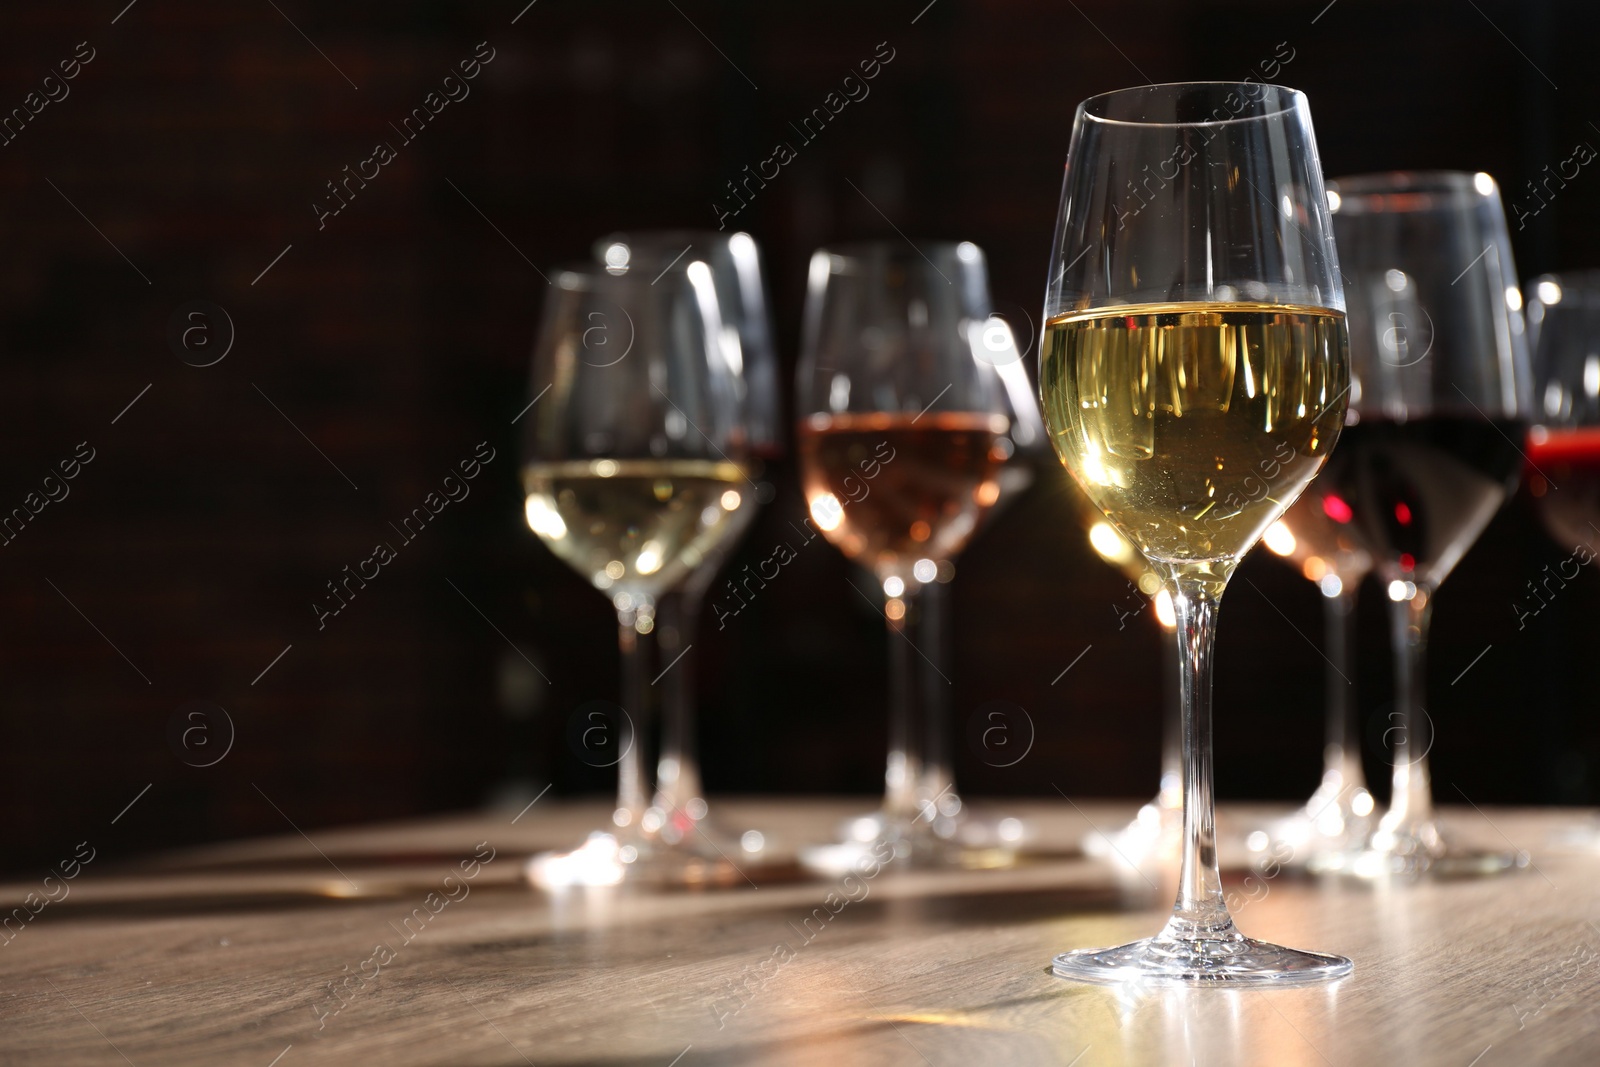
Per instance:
(678,809)
(901,437)
(1194,376)
(636,463)
(1439,403)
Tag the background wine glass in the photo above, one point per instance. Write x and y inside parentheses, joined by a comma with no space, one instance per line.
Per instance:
(1439,393)
(1194,376)
(1155,833)
(679,810)
(635,465)
(1564,446)
(1318,535)
(900,442)
(1023,449)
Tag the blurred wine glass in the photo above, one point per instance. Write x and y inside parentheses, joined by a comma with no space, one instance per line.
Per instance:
(1155,834)
(1439,402)
(902,433)
(679,809)
(1318,536)
(1563,470)
(635,465)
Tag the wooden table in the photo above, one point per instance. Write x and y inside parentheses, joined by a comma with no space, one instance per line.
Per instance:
(227,955)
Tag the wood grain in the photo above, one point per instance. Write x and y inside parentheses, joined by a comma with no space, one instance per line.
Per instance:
(225,956)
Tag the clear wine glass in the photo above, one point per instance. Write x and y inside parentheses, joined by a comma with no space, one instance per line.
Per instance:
(1318,535)
(678,811)
(1024,448)
(1440,385)
(1194,376)
(1155,833)
(901,437)
(635,466)
(1564,446)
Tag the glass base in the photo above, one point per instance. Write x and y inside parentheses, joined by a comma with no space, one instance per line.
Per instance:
(1153,838)
(1417,849)
(702,857)
(1232,959)
(1336,820)
(953,839)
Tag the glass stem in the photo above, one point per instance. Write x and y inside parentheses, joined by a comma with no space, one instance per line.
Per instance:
(678,766)
(1171,795)
(1341,754)
(905,759)
(1412,801)
(933,631)
(632,788)
(1200,911)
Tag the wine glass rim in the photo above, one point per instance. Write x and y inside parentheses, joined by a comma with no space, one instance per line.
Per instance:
(1583,283)
(1291,99)
(584,274)
(670,239)
(1357,192)
(967,251)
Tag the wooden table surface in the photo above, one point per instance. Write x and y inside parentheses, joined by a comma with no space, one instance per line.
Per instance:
(228,955)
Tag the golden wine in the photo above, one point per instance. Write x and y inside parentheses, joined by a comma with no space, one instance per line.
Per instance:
(633,526)
(1193,426)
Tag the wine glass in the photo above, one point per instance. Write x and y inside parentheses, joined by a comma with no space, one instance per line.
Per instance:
(1156,829)
(1024,448)
(635,467)
(1439,402)
(678,811)
(901,438)
(1194,377)
(1318,535)
(1564,447)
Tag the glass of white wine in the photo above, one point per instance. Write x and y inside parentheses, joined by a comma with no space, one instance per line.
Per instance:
(679,812)
(1194,374)
(635,466)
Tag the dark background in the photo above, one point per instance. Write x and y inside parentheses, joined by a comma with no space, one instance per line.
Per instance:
(190,550)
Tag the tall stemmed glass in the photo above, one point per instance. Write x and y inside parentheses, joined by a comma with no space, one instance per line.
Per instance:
(635,465)
(1564,447)
(1194,375)
(900,442)
(1318,535)
(1439,394)
(1156,830)
(679,811)
(1023,448)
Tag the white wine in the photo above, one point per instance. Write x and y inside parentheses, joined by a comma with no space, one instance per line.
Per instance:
(633,527)
(1193,426)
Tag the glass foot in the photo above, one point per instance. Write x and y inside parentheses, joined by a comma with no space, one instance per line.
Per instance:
(950,838)
(1414,849)
(1231,958)
(663,852)
(1336,820)
(1153,839)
